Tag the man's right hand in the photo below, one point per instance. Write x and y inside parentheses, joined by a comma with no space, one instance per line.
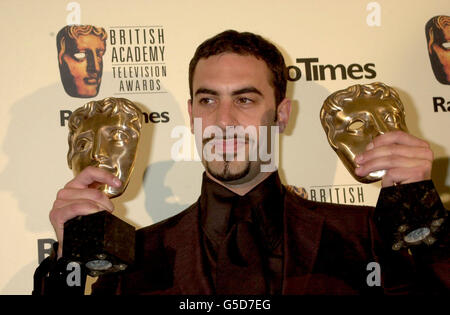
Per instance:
(77,198)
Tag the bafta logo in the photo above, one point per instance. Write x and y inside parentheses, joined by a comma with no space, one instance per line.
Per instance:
(80,58)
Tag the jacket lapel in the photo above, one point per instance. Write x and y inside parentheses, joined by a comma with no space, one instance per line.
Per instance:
(302,233)
(189,268)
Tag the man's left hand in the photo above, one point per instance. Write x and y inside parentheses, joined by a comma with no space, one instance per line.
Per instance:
(405,158)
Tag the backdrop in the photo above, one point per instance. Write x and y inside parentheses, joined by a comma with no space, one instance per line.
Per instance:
(328,45)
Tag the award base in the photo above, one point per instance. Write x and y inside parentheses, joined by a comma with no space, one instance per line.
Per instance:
(411,214)
(100,241)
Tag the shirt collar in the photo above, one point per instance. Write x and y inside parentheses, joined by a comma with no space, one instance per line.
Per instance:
(220,208)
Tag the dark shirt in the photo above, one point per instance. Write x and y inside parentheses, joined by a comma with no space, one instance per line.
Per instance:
(220,209)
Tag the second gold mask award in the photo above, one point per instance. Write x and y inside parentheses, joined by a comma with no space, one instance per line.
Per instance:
(352,118)
(103,134)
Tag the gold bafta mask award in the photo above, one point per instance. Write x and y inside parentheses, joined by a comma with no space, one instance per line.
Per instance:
(351,119)
(103,134)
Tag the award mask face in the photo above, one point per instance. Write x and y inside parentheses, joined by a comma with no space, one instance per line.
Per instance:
(80,58)
(438,42)
(105,134)
(353,117)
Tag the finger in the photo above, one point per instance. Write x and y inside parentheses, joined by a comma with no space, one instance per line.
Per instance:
(398,137)
(389,162)
(58,204)
(395,150)
(95,195)
(60,215)
(404,176)
(91,175)
(63,211)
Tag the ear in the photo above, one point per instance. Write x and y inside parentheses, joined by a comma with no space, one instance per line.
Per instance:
(191,117)
(283,114)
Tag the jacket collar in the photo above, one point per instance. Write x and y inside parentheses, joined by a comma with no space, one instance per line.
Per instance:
(302,234)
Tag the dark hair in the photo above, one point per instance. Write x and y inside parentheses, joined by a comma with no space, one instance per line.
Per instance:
(246,44)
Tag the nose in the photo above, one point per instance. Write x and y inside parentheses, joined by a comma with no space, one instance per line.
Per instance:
(93,63)
(379,126)
(225,114)
(100,149)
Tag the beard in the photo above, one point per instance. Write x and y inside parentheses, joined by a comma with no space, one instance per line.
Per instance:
(231,166)
(235,168)
(227,171)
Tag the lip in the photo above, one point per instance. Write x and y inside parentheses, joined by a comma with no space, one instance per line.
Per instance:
(91,81)
(227,146)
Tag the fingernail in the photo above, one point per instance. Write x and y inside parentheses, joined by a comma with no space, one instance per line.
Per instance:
(369,146)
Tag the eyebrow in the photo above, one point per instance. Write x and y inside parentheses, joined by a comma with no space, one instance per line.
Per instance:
(245,90)
(206,91)
(84,134)
(249,89)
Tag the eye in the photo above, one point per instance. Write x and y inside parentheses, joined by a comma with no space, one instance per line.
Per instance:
(79,56)
(82,144)
(205,101)
(119,136)
(355,126)
(100,53)
(244,101)
(446,45)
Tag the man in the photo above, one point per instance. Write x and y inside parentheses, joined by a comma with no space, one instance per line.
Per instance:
(438,40)
(247,233)
(80,58)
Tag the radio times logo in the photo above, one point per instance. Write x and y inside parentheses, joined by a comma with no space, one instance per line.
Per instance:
(312,70)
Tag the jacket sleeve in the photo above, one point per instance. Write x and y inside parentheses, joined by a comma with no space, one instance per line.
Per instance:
(412,225)
(59,276)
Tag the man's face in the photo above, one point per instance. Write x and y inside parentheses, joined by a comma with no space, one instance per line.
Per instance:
(107,142)
(360,121)
(82,65)
(231,90)
(442,51)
